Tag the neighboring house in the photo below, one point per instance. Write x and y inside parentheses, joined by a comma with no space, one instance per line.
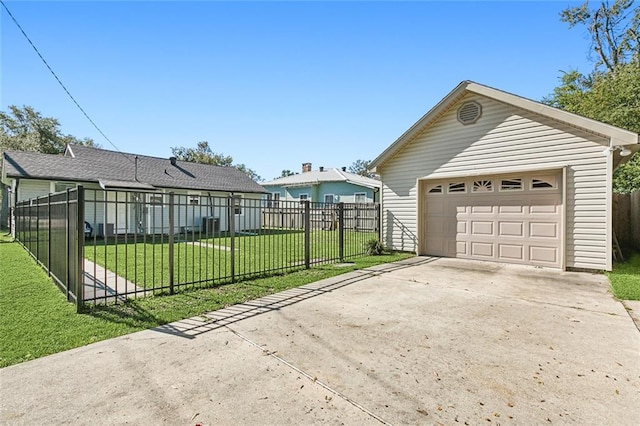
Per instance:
(126,193)
(325,185)
(489,175)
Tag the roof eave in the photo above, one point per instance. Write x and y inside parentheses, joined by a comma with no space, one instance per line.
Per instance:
(615,135)
(418,126)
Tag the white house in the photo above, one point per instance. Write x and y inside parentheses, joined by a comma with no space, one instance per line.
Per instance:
(489,175)
(129,193)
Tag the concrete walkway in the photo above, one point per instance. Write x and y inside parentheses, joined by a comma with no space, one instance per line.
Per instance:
(423,341)
(105,286)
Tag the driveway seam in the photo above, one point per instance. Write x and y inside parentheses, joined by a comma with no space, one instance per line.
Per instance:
(308,376)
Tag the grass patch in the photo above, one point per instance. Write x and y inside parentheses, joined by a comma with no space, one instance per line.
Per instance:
(625,278)
(36,320)
(145,261)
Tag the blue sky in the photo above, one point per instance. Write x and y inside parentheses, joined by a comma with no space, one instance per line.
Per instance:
(274,84)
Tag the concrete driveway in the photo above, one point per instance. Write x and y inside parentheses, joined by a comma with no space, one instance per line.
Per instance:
(423,341)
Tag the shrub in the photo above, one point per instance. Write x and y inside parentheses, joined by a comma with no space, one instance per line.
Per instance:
(374,247)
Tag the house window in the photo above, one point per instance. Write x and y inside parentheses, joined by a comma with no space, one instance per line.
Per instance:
(63,186)
(273,199)
(237,204)
(360,197)
(513,184)
(543,183)
(194,200)
(436,190)
(482,186)
(304,197)
(329,198)
(155,199)
(457,187)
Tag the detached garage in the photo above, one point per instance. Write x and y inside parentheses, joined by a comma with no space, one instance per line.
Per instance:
(488,175)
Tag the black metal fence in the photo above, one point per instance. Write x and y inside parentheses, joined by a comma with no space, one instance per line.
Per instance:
(131,244)
(50,229)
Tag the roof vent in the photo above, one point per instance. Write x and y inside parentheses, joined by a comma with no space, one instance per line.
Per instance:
(173,160)
(344,169)
(321,169)
(469,112)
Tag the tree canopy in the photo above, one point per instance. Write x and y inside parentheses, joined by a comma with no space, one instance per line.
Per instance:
(25,129)
(203,154)
(361,167)
(612,94)
(613,29)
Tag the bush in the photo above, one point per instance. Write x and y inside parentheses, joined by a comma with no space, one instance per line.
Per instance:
(374,247)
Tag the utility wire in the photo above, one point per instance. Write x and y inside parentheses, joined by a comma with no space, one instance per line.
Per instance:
(60,82)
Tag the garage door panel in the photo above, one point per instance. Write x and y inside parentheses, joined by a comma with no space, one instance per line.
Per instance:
(543,230)
(514,226)
(482,209)
(481,228)
(480,249)
(510,252)
(543,254)
(544,209)
(511,229)
(512,209)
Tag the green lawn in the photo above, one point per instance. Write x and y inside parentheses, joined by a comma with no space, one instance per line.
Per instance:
(36,320)
(625,278)
(146,262)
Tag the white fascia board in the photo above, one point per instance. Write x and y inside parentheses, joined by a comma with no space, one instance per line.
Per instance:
(616,135)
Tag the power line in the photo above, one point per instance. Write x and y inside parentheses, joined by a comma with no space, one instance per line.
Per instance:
(59,81)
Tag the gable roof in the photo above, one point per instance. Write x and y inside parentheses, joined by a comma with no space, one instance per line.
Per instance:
(327,175)
(112,169)
(616,135)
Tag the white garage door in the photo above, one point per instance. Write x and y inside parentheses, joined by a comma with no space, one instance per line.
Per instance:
(512,219)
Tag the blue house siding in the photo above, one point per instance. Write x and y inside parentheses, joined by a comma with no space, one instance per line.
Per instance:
(343,192)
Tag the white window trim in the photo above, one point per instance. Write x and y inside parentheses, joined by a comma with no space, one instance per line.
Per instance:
(355,197)
(522,184)
(333,198)
(484,190)
(240,205)
(306,195)
(457,183)
(549,179)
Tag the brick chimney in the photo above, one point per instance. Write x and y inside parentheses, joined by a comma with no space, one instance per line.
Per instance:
(306,167)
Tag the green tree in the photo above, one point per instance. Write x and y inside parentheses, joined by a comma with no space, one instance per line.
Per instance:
(613,29)
(203,154)
(25,129)
(286,173)
(611,95)
(361,167)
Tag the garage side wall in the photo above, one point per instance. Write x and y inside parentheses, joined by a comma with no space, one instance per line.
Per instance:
(504,138)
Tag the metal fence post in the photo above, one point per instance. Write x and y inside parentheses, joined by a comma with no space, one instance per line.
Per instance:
(171,232)
(67,282)
(341,231)
(307,234)
(37,253)
(80,253)
(49,234)
(232,234)
(378,221)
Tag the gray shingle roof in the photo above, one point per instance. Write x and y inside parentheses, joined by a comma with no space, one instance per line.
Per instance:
(99,165)
(327,175)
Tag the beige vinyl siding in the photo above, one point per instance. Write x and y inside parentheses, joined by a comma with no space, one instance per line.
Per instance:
(28,189)
(504,138)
